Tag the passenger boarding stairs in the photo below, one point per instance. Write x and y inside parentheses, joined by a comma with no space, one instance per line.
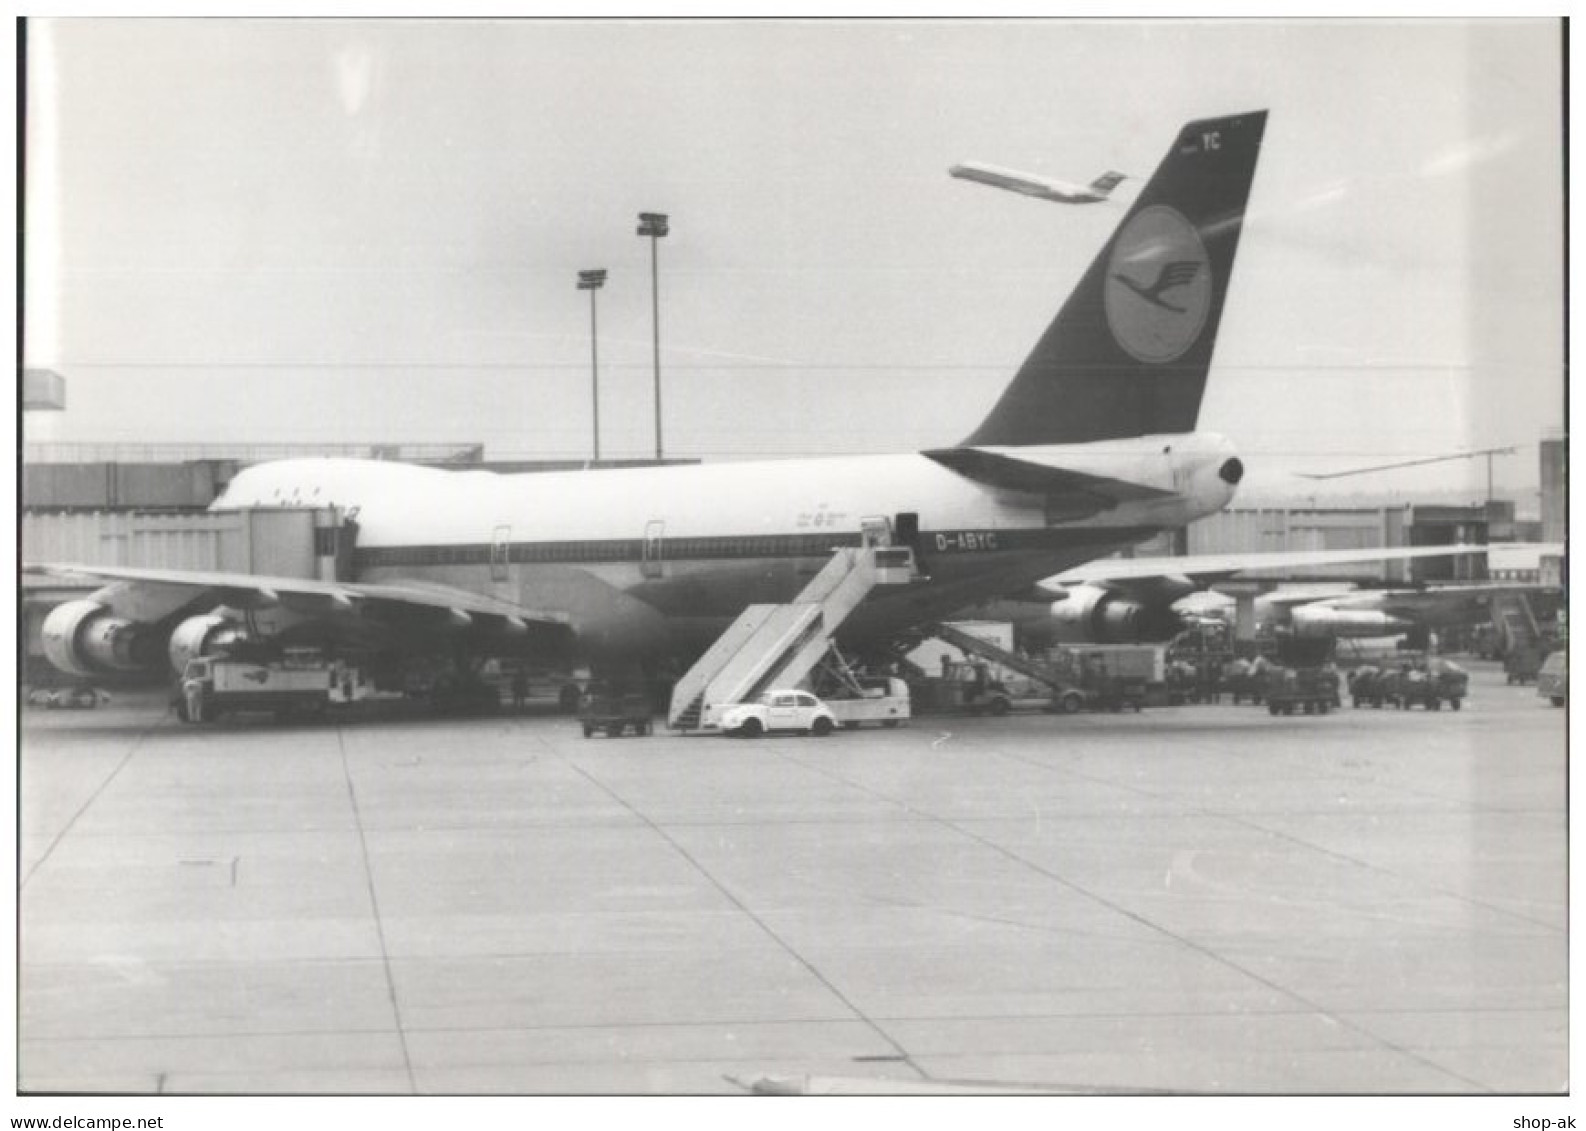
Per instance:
(969,643)
(1515,622)
(778,645)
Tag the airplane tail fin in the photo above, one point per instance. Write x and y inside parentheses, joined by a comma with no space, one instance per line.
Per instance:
(1129,352)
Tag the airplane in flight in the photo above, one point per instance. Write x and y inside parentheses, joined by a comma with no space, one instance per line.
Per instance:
(1092,447)
(1033,184)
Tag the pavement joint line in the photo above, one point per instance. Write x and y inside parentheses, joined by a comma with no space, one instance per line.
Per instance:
(1119,909)
(1249,823)
(1471,1028)
(104,785)
(1460,897)
(374,906)
(765,927)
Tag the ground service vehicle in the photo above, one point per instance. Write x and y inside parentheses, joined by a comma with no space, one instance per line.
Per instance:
(77,698)
(1522,662)
(1193,681)
(971,687)
(613,711)
(1365,686)
(1112,678)
(1311,691)
(213,686)
(1552,682)
(1431,685)
(884,701)
(1072,700)
(1246,679)
(789,710)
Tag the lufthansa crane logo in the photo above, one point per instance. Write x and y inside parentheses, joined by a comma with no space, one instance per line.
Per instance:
(1158,285)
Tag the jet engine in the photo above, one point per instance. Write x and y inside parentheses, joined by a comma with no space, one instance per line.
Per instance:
(1092,614)
(203,636)
(1323,620)
(84,638)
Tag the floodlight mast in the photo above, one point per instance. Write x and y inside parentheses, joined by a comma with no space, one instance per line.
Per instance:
(655,225)
(592,281)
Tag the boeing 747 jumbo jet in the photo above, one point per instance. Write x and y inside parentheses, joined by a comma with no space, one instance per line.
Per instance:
(1092,447)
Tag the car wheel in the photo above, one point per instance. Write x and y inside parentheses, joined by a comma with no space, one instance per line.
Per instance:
(1071,703)
(1557,700)
(1453,704)
(752,728)
(998,707)
(821,727)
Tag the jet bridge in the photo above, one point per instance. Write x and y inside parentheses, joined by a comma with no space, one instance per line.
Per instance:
(779,645)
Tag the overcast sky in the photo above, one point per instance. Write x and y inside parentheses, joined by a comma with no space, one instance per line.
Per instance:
(370,231)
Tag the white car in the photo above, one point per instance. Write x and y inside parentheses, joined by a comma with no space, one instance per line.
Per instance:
(779,710)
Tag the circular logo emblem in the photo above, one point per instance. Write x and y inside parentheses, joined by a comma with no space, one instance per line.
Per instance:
(1159,285)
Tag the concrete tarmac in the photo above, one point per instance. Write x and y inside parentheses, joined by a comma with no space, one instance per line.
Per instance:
(1192,899)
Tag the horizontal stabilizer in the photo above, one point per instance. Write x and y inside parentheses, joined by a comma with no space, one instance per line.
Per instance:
(1013,474)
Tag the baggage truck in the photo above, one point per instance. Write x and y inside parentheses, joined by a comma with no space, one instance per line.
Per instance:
(1430,685)
(214,686)
(1116,676)
(1310,691)
(1144,662)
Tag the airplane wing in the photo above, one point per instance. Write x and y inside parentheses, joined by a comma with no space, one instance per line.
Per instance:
(1093,492)
(1205,569)
(381,602)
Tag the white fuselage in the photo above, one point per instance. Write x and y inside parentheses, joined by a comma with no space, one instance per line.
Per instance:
(660,556)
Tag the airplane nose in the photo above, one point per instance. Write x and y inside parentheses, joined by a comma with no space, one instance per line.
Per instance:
(1232,471)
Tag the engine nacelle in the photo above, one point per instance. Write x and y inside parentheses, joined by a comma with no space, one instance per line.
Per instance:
(1324,621)
(84,638)
(1092,614)
(202,636)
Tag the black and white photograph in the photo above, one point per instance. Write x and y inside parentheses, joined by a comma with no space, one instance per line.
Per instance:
(889,557)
